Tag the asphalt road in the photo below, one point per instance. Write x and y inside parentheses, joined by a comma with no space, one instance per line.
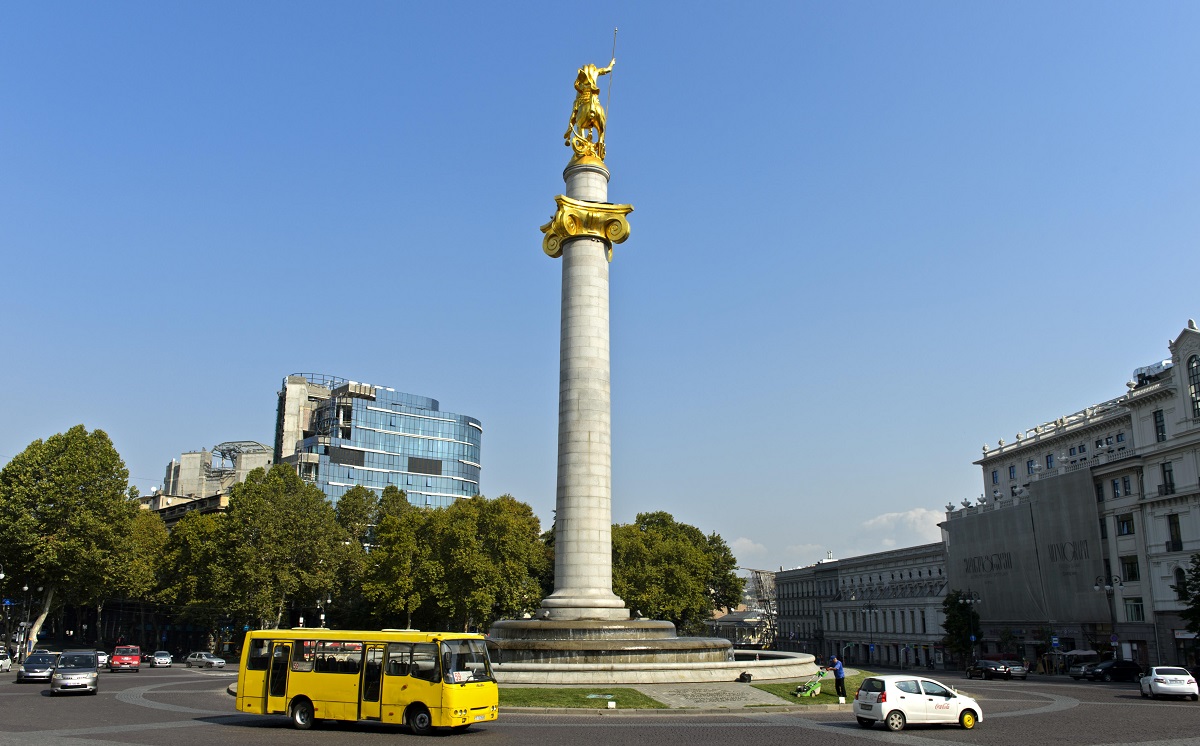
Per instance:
(179,706)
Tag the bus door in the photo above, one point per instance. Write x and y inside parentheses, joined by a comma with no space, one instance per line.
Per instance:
(372,681)
(425,679)
(277,677)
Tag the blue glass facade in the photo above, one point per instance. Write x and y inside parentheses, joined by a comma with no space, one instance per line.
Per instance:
(376,436)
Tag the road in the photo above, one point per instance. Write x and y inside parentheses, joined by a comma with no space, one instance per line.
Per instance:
(182,706)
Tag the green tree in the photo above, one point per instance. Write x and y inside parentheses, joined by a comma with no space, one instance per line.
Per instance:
(670,570)
(398,567)
(189,576)
(1189,593)
(66,516)
(962,621)
(282,545)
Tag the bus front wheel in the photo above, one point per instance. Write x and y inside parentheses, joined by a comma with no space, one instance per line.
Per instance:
(419,720)
(302,714)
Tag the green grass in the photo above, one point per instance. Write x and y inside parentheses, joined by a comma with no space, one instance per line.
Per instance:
(626,699)
(828,695)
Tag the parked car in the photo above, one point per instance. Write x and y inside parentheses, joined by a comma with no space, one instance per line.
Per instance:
(77,671)
(101,658)
(1169,681)
(1081,670)
(126,658)
(160,658)
(204,660)
(1115,670)
(5,661)
(985,669)
(37,667)
(899,700)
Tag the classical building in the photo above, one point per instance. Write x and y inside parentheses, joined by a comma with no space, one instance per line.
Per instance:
(1089,521)
(339,433)
(201,480)
(891,601)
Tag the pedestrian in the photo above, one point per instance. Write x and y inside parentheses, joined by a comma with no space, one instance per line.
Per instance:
(839,675)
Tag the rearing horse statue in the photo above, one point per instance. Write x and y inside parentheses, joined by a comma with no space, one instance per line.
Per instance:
(587,116)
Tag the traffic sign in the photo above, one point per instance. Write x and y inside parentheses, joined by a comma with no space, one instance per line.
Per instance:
(1113,639)
(872,648)
(1054,641)
(972,638)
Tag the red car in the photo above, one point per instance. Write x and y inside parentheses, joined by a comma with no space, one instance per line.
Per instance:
(126,658)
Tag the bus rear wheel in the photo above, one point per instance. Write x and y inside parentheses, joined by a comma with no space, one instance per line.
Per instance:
(419,720)
(302,714)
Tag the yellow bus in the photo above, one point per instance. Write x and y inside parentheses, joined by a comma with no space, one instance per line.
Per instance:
(424,680)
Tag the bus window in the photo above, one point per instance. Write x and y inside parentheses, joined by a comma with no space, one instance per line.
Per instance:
(279,671)
(372,673)
(425,662)
(399,656)
(259,656)
(303,655)
(465,660)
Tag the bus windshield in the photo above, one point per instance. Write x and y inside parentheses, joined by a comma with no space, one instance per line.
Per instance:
(464,661)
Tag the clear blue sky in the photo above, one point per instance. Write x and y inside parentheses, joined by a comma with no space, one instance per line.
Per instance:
(868,236)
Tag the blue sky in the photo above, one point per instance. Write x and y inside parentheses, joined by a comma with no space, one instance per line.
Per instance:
(868,237)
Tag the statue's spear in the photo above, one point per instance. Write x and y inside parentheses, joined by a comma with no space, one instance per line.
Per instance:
(608,103)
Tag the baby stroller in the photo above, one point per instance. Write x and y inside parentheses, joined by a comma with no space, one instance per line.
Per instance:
(812,687)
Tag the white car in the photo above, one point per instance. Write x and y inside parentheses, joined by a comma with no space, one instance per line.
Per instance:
(204,660)
(5,661)
(899,700)
(1169,681)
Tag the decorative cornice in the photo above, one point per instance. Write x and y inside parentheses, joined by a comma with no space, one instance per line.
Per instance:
(577,218)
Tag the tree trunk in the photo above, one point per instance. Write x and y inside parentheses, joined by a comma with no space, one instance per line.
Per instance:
(35,628)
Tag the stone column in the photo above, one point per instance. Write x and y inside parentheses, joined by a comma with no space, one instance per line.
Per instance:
(583,518)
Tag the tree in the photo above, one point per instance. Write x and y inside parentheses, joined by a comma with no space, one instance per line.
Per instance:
(188,574)
(281,545)
(1189,593)
(962,621)
(398,563)
(670,570)
(66,516)
(357,512)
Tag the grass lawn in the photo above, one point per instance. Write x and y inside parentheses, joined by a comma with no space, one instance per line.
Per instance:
(828,695)
(626,699)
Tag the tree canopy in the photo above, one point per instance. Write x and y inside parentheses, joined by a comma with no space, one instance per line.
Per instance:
(961,622)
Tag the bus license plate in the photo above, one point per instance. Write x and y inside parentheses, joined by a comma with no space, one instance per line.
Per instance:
(480,717)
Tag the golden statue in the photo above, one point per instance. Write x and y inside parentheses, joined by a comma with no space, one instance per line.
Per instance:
(587,116)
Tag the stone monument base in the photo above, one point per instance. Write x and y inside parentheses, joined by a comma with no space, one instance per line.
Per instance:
(632,651)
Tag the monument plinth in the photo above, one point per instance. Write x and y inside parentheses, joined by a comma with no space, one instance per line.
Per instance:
(583,632)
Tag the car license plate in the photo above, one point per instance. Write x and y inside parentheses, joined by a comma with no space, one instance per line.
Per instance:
(867,707)
(480,717)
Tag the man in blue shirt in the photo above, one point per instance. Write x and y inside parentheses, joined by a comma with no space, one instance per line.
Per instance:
(839,675)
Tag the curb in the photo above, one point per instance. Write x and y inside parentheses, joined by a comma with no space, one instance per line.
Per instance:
(668,711)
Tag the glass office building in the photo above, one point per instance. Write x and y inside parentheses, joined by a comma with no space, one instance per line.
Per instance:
(340,433)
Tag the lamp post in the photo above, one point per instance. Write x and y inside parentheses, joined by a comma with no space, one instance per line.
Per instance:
(868,612)
(971,599)
(1109,586)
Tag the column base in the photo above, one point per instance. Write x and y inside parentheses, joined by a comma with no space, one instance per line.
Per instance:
(576,605)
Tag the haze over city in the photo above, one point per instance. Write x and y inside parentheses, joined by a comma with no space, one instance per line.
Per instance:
(868,238)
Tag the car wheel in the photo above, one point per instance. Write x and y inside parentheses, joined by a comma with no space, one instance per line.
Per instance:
(302,714)
(967,719)
(865,722)
(1108,677)
(1195,697)
(894,721)
(418,720)
(987,676)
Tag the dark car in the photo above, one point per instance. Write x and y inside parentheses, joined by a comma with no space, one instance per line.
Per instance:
(989,670)
(1114,670)
(37,667)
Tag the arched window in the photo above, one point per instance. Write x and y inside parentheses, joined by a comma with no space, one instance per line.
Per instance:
(1181,583)
(1194,383)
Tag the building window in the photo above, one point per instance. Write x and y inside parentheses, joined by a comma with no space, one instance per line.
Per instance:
(1134,611)
(1108,441)
(1083,447)
(1168,478)
(1103,529)
(1160,426)
(1174,535)
(1029,466)
(1120,437)
(1129,569)
(1193,367)
(1072,450)
(1099,492)
(1125,525)
(1116,485)
(1049,460)
(1126,484)
(1012,472)
(1180,586)
(995,476)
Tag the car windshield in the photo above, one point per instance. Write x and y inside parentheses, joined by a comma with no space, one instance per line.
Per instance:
(77,661)
(125,651)
(39,660)
(162,654)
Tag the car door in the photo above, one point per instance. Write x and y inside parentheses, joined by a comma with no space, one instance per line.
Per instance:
(940,704)
(911,701)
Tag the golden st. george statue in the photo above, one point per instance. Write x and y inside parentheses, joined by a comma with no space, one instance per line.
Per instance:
(587,116)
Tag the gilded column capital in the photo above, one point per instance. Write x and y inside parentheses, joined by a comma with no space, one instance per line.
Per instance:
(575,218)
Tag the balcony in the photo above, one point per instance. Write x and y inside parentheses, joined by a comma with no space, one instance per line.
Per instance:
(1166,489)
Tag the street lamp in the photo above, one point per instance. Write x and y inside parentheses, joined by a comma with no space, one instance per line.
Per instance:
(869,609)
(1109,585)
(971,599)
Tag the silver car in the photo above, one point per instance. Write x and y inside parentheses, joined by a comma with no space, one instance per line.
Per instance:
(37,667)
(160,658)
(77,671)
(204,660)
